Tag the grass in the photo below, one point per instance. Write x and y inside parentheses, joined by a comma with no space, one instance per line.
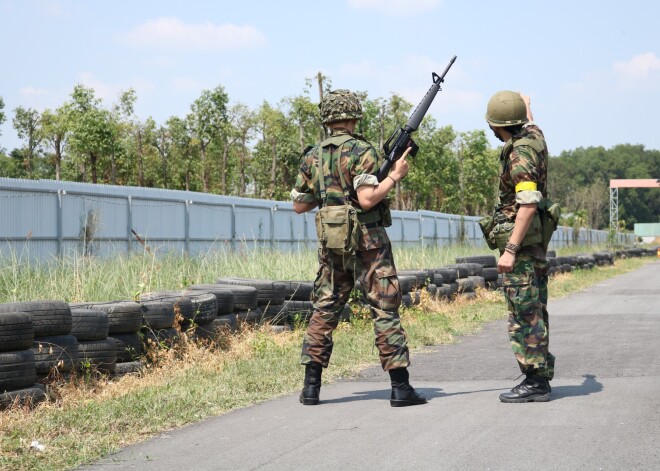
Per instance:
(89,417)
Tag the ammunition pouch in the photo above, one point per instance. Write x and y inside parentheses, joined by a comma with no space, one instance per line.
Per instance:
(338,229)
(550,213)
(385,213)
(487,224)
(540,230)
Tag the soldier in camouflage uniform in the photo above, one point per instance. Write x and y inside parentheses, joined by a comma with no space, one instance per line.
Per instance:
(525,269)
(349,165)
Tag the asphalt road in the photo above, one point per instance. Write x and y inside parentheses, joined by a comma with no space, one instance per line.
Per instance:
(604,413)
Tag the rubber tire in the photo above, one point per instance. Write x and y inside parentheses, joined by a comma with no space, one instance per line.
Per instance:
(449,275)
(486,261)
(407,283)
(478,281)
(48,317)
(154,338)
(128,367)
(89,324)
(250,317)
(158,314)
(490,274)
(465,285)
(224,297)
(101,354)
(461,270)
(17,370)
(182,305)
(437,279)
(269,292)
(273,313)
(226,322)
(16,331)
(299,290)
(56,351)
(245,297)
(24,397)
(205,307)
(421,275)
(124,317)
(129,346)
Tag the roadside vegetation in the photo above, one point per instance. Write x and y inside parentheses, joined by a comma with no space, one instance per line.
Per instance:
(90,416)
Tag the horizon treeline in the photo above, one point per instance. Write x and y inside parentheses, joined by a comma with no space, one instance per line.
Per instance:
(227,148)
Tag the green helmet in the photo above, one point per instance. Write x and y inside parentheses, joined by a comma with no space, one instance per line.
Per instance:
(506,108)
(339,105)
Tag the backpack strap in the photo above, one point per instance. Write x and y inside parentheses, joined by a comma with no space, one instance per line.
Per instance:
(338,141)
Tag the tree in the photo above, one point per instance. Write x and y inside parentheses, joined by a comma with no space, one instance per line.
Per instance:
(206,120)
(182,149)
(161,139)
(26,123)
(54,129)
(91,131)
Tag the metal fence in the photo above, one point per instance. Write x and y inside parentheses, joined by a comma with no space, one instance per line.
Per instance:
(41,219)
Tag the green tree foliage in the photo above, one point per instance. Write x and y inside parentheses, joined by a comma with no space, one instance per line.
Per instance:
(228,148)
(579,179)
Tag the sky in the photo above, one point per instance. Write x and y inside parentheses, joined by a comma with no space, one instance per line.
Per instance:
(591,68)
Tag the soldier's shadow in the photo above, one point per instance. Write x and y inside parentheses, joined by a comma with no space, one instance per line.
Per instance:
(590,385)
(379,395)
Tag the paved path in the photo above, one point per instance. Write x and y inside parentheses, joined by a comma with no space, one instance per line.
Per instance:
(604,413)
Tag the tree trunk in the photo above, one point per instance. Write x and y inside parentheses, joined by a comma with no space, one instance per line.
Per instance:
(381,122)
(58,157)
(301,136)
(223,169)
(273,168)
(242,185)
(205,175)
(113,167)
(140,159)
(92,163)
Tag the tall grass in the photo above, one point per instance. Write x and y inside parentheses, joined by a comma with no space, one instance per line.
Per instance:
(86,419)
(77,278)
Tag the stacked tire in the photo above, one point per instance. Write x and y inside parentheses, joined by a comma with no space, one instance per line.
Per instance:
(34,339)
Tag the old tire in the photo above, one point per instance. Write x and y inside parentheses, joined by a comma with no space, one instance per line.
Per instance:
(48,317)
(224,297)
(89,324)
(17,370)
(57,351)
(16,331)
(98,354)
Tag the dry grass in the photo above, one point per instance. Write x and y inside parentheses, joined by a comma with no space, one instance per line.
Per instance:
(90,416)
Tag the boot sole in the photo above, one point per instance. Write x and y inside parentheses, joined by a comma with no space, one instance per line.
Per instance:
(400,403)
(543,398)
(309,402)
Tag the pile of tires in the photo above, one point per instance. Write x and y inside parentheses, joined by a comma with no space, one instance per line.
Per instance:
(34,338)
(108,334)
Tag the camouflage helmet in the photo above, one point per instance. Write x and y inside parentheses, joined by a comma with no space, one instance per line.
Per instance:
(506,108)
(339,105)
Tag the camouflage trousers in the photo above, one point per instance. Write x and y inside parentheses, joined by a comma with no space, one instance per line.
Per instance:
(334,283)
(526,291)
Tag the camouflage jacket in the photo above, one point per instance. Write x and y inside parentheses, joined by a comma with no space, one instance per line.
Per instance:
(523,175)
(358,161)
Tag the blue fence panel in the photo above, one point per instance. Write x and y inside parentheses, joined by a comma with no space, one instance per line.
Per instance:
(42,219)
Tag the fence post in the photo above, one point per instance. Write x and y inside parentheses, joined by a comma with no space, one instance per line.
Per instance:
(186,227)
(272,226)
(58,209)
(233,226)
(129,216)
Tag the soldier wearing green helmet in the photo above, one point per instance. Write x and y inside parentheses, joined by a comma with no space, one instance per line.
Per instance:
(339,176)
(522,259)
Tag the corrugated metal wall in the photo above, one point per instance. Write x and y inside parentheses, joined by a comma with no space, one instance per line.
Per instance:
(43,218)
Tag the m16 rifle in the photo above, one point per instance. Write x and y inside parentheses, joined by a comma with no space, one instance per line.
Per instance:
(401,139)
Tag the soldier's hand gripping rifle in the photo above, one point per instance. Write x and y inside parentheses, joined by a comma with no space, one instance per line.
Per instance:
(401,139)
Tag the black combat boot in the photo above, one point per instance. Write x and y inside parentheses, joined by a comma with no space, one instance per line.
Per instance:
(312,387)
(532,389)
(403,394)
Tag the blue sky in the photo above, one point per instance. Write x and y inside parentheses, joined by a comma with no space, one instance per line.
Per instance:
(592,68)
